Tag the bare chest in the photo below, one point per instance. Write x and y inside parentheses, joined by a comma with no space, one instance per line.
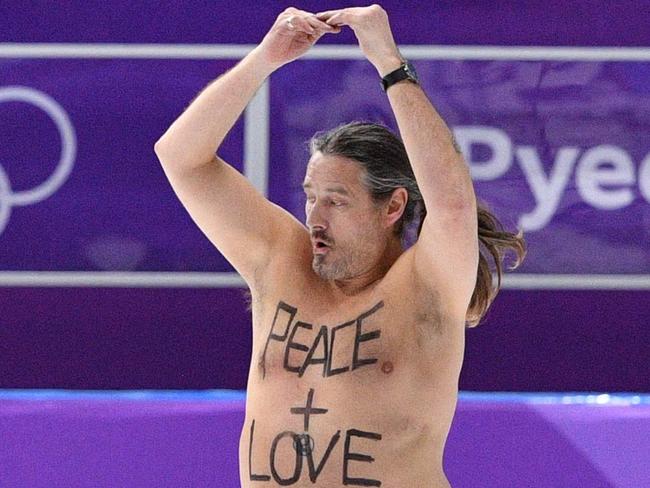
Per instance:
(305,345)
(342,393)
(304,339)
(332,393)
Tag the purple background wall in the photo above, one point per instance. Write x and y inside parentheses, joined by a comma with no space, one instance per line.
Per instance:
(115,211)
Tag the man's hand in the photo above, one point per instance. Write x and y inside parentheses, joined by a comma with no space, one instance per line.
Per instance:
(291,36)
(370,25)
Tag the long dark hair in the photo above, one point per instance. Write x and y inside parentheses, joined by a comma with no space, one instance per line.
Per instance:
(383,157)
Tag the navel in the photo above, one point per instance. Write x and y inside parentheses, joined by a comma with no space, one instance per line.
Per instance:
(387,367)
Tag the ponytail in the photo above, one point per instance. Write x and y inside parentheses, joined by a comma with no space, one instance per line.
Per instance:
(494,241)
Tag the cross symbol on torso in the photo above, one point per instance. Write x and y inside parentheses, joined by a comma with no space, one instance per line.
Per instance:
(307,410)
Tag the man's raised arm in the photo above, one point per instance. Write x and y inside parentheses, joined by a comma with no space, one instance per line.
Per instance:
(238,220)
(193,138)
(447,249)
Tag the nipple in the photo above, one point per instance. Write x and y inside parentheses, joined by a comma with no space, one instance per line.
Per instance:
(387,367)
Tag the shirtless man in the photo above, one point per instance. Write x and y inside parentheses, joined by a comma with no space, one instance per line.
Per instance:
(357,343)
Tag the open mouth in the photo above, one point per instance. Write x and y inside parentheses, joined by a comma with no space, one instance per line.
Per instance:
(320,247)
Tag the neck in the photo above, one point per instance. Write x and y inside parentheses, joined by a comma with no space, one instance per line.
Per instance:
(367,279)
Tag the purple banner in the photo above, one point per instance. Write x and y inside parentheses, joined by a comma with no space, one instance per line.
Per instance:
(465,22)
(557,144)
(555,148)
(80,185)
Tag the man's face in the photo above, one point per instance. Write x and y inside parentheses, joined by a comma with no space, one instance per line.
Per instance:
(341,214)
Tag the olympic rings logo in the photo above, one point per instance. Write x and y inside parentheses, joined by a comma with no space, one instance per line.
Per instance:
(9,198)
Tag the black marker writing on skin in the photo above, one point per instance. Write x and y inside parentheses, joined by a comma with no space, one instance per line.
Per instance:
(295,345)
(308,410)
(329,371)
(322,335)
(359,338)
(314,471)
(303,445)
(292,313)
(298,466)
(254,477)
(299,442)
(323,345)
(355,456)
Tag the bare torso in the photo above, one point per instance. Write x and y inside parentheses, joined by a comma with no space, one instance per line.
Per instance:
(358,391)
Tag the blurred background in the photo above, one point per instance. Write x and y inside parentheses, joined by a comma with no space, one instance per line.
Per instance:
(106,283)
(557,141)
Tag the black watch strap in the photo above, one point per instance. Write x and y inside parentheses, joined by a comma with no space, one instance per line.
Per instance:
(404,72)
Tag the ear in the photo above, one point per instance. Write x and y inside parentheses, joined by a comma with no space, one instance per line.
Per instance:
(395,207)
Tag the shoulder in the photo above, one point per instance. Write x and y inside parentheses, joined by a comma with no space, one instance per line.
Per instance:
(432,299)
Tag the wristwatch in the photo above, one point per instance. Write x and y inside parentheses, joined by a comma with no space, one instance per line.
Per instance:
(404,72)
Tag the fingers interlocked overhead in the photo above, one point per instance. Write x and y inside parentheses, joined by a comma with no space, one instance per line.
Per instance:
(301,21)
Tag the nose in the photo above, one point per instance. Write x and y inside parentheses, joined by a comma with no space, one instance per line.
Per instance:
(316,219)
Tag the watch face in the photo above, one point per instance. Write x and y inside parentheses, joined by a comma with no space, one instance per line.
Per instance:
(410,70)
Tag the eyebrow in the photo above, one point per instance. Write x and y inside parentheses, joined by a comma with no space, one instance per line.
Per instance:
(330,189)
